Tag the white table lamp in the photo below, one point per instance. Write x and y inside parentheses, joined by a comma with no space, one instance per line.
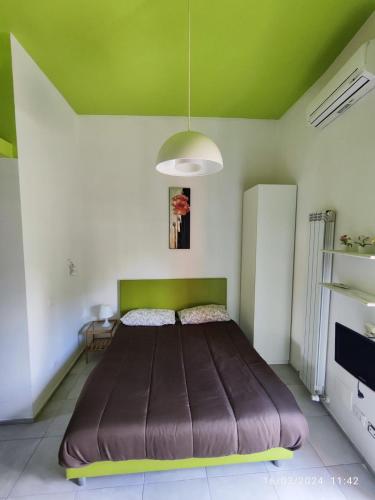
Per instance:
(105,312)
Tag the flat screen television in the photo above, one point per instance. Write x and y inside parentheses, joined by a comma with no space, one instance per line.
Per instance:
(355,353)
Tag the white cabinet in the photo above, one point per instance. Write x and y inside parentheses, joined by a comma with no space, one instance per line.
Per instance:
(268,230)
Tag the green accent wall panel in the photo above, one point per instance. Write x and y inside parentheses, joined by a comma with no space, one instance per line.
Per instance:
(250,58)
(7,149)
(171,293)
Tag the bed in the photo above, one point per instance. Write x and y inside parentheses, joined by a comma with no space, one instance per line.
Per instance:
(179,396)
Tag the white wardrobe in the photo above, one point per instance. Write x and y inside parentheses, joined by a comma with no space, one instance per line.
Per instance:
(268,230)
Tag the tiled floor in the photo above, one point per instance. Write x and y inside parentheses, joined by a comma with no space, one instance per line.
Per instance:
(29,470)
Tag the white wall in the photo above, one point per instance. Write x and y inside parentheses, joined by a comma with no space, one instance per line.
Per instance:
(15,390)
(89,192)
(335,168)
(50,205)
(126,201)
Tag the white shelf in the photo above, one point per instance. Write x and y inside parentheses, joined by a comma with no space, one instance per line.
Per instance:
(352,254)
(364,298)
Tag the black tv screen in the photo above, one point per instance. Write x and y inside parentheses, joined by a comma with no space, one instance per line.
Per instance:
(355,353)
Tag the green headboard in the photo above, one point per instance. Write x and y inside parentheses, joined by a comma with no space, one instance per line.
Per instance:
(171,293)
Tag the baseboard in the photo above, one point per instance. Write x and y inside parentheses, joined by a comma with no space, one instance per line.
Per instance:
(55,382)
(47,393)
(17,421)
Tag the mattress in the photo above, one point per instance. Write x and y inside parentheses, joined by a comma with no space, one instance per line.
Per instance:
(181,391)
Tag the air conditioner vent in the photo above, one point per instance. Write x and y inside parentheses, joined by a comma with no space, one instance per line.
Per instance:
(355,79)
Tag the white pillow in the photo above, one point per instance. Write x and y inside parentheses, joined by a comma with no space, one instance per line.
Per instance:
(149,317)
(203,314)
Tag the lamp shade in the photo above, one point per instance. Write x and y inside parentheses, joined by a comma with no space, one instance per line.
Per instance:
(189,154)
(105,311)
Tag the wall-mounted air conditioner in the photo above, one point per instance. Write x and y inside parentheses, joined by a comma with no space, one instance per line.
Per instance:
(354,80)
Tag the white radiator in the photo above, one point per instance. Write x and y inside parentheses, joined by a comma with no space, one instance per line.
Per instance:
(313,371)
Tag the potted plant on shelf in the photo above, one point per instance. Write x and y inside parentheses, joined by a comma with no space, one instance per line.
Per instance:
(347,241)
(363,242)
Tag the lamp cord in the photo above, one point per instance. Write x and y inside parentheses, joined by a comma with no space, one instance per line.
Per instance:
(189,64)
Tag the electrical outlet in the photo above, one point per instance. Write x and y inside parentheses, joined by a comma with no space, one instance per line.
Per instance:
(359,415)
(356,411)
(363,420)
(371,430)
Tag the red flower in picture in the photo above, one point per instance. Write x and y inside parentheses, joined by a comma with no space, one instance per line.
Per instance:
(180,204)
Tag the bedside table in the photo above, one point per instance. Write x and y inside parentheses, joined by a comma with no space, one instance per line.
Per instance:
(98,338)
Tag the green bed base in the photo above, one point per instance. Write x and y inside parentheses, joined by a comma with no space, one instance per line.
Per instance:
(171,293)
(134,466)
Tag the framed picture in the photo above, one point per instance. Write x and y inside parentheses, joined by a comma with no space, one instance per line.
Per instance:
(179,218)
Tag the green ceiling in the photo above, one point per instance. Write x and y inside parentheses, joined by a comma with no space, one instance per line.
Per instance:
(250,58)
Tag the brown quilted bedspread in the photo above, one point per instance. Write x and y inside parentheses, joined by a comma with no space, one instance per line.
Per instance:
(177,392)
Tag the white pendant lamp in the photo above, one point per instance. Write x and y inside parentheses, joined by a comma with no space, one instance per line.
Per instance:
(189,153)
